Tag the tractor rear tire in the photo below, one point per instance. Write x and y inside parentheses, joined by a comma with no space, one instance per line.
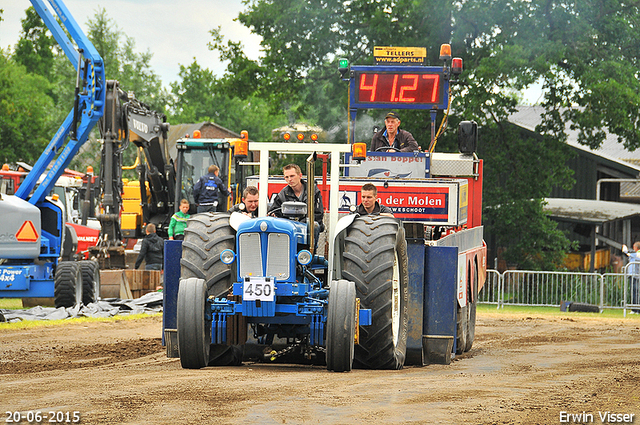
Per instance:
(67,284)
(90,281)
(194,324)
(341,326)
(375,258)
(205,237)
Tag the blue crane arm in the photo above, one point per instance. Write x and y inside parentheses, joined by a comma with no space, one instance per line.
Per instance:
(89,105)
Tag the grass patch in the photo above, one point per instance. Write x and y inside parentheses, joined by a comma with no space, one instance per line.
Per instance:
(30,324)
(553,311)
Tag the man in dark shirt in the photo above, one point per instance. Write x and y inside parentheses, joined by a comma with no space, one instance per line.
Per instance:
(369,202)
(296,190)
(152,250)
(249,204)
(393,138)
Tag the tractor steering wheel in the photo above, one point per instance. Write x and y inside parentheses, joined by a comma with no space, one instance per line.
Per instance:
(385,148)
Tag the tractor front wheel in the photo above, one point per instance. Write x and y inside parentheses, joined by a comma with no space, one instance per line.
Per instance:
(341,325)
(194,324)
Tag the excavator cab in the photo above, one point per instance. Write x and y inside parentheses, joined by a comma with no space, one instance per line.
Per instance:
(194,156)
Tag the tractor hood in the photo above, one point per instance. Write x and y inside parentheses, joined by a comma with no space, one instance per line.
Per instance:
(296,230)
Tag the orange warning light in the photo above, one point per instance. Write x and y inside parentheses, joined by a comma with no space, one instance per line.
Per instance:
(241,149)
(445,52)
(27,233)
(359,151)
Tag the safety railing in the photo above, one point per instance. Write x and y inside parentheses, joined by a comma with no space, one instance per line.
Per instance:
(545,288)
(490,292)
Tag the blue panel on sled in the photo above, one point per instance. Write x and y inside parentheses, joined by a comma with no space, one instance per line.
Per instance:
(172,256)
(441,265)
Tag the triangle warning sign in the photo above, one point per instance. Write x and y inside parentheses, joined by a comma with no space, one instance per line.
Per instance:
(27,232)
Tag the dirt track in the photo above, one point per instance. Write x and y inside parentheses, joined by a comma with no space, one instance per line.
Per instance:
(521,370)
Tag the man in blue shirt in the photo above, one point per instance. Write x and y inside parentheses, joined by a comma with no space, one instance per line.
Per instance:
(208,191)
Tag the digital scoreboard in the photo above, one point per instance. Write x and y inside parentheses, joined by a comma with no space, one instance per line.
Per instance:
(399,87)
(423,88)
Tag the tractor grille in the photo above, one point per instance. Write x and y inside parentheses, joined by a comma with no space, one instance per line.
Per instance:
(250,251)
(250,254)
(278,256)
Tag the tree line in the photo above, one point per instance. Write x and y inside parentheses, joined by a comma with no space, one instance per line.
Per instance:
(582,52)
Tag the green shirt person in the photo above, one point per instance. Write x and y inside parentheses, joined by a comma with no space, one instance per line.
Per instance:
(179,222)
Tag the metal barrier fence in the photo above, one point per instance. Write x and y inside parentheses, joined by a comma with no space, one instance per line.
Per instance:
(543,288)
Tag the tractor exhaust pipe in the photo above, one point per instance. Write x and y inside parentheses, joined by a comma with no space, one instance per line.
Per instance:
(311,180)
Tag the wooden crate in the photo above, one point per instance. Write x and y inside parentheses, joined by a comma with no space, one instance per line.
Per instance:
(143,279)
(114,284)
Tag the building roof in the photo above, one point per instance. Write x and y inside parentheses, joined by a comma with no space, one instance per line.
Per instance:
(529,117)
(208,129)
(178,131)
(589,211)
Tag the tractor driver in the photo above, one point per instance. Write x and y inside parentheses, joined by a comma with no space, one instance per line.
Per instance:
(393,138)
(296,190)
(369,202)
(249,204)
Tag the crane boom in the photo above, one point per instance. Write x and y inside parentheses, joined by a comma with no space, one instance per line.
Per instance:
(88,107)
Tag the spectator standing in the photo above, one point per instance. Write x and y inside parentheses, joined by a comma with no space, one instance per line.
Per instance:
(179,222)
(209,191)
(634,274)
(152,250)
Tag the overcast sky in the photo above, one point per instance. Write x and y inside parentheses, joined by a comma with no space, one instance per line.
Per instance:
(174,31)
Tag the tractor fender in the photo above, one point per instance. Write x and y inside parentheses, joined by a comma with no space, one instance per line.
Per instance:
(236,219)
(338,242)
(342,224)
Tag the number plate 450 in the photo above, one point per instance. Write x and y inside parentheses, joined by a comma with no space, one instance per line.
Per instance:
(259,288)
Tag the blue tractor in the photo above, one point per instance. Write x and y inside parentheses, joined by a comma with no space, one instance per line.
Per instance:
(255,289)
(388,291)
(34,238)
